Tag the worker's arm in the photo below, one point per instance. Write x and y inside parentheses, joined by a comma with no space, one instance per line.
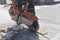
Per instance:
(26,6)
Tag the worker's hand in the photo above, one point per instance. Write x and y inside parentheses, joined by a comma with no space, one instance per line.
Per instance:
(22,12)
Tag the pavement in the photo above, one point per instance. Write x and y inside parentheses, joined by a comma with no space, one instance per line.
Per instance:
(49,19)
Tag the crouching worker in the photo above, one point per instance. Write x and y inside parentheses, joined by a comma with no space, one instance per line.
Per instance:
(25,14)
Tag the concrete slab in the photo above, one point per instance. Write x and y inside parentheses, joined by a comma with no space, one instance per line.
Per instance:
(57,36)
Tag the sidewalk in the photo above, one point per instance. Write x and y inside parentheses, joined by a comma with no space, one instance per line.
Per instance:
(49,19)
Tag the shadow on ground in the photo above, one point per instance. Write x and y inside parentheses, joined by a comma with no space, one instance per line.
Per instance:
(47,3)
(21,35)
(39,4)
(25,35)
